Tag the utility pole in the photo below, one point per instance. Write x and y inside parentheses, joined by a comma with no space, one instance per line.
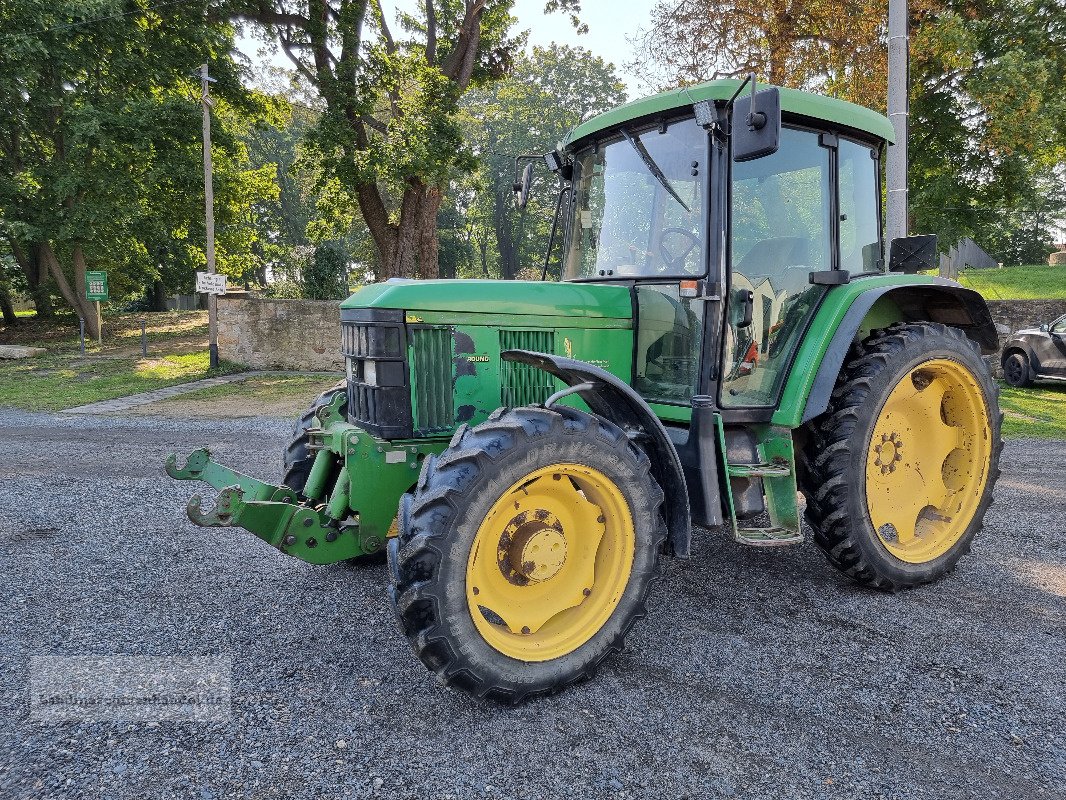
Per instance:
(209,203)
(898,111)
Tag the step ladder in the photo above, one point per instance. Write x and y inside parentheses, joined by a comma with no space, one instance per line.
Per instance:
(776,469)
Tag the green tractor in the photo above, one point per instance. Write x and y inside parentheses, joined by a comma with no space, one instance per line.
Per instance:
(725,334)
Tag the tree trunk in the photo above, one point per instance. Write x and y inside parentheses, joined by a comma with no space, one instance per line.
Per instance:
(157,296)
(75,296)
(414,250)
(6,307)
(504,236)
(35,270)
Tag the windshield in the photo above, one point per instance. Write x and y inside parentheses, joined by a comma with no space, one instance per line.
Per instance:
(638,206)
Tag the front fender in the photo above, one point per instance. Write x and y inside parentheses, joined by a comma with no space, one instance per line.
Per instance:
(615,401)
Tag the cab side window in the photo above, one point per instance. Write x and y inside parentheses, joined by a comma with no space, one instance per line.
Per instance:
(860,243)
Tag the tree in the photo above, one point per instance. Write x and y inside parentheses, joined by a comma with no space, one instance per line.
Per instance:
(833,46)
(547,93)
(987,84)
(988,120)
(389,135)
(100,155)
(326,278)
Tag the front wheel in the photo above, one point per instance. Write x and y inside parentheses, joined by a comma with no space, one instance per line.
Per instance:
(900,468)
(526,552)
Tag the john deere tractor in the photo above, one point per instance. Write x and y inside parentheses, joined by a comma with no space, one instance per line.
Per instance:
(725,331)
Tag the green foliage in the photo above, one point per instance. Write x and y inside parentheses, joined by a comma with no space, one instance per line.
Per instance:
(547,93)
(326,278)
(100,143)
(988,115)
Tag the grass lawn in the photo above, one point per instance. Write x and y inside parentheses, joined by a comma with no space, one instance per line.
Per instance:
(1031,282)
(177,352)
(1038,412)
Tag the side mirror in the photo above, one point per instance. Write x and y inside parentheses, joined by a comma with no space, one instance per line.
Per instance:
(756,125)
(1045,328)
(911,254)
(521,186)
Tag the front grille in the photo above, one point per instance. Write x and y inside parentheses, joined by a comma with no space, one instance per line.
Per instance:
(522,384)
(379,395)
(431,376)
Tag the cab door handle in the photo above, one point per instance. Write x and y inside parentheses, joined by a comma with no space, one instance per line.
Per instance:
(747,298)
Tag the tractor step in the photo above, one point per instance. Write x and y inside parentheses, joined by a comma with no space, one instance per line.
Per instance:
(771,470)
(774,468)
(767,537)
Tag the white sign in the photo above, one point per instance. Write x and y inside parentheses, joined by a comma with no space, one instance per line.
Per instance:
(210,283)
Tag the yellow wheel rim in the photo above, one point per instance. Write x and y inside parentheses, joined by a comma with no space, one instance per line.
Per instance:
(927,461)
(550,562)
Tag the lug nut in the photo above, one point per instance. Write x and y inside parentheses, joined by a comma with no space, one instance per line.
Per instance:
(290,539)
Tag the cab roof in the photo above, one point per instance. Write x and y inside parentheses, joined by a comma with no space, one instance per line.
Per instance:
(793,101)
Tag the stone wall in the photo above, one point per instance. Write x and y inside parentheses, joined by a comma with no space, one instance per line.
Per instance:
(1013,315)
(280,334)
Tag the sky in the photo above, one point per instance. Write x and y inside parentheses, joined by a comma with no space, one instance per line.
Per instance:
(609,27)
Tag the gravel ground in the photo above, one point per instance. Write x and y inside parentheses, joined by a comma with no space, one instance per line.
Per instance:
(757,674)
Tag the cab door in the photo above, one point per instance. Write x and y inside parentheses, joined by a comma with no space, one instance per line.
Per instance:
(790,217)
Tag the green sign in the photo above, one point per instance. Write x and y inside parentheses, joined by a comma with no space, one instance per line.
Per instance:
(95,285)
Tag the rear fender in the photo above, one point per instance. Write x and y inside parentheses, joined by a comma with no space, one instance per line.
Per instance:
(615,401)
(940,301)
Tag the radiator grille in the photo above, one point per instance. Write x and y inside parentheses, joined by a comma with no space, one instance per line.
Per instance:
(431,374)
(378,396)
(522,384)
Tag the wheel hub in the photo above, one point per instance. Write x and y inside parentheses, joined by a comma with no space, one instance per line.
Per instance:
(532,547)
(539,555)
(888,452)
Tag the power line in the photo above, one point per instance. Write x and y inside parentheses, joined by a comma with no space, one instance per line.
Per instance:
(70,25)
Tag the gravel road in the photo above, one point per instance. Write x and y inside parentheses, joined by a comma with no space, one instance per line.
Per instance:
(757,674)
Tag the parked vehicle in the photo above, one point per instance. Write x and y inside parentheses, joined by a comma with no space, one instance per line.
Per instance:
(1036,354)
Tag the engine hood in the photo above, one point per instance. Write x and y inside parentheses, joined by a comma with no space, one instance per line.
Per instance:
(539,298)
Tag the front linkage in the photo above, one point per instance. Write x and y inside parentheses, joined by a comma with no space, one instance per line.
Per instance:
(324,524)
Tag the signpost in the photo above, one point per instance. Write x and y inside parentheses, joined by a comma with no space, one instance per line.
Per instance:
(209,208)
(210,283)
(96,290)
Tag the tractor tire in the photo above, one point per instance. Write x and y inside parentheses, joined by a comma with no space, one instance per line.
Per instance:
(898,472)
(297,459)
(526,552)
(1016,371)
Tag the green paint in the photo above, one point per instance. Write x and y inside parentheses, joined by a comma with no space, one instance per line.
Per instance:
(792,101)
(812,349)
(882,314)
(535,298)
(776,447)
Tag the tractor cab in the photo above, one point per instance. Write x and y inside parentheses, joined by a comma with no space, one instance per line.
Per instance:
(659,198)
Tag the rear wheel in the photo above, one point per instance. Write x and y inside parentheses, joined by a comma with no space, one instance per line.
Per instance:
(526,552)
(900,469)
(1016,370)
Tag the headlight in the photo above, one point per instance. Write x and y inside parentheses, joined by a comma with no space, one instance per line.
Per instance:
(370,373)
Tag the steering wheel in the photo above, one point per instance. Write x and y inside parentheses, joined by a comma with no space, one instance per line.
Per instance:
(675,262)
